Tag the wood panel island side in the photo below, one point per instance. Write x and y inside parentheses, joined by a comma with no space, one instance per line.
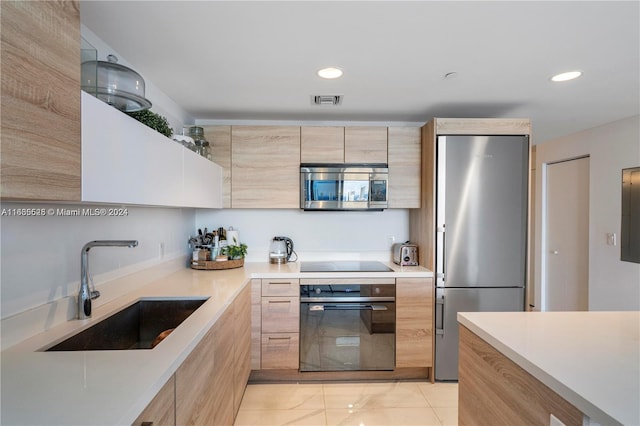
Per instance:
(537,368)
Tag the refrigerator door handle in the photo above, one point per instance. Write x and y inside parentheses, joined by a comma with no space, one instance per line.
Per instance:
(440,317)
(440,251)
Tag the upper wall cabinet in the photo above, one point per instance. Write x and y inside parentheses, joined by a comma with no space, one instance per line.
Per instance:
(404,167)
(220,139)
(322,145)
(265,167)
(124,161)
(365,144)
(40,43)
(343,145)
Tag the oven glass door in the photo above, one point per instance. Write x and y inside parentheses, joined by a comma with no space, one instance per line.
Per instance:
(347,336)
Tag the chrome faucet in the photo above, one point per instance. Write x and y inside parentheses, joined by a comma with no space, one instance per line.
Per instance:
(85,295)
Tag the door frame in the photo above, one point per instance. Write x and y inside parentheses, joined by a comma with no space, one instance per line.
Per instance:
(544,252)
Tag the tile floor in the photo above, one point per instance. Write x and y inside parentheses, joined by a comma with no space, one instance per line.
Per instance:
(360,404)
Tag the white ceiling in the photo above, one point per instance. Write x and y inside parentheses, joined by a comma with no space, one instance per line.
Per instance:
(243,60)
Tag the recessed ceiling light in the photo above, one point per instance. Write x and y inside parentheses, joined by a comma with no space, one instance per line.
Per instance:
(330,72)
(566,76)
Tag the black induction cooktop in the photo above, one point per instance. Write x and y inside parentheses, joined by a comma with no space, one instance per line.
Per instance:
(345,266)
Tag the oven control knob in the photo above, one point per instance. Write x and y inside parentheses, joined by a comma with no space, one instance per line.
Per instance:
(377,290)
(318,291)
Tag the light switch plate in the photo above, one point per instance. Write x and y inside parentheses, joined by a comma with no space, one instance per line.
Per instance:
(612,239)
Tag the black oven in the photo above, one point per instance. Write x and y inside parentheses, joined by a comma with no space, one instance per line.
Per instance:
(347,325)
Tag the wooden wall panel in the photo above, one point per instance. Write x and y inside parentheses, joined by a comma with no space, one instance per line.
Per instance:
(40,56)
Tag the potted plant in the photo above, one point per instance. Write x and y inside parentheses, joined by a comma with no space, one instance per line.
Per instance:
(152,120)
(235,251)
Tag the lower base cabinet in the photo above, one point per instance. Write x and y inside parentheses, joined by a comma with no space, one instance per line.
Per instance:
(414,322)
(493,390)
(162,409)
(208,387)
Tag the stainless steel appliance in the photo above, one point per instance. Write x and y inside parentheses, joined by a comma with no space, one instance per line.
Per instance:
(344,186)
(405,254)
(481,238)
(280,250)
(347,324)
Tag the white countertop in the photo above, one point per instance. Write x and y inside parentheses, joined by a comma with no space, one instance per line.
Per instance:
(591,359)
(113,387)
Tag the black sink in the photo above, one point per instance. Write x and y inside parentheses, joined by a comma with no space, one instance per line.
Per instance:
(135,327)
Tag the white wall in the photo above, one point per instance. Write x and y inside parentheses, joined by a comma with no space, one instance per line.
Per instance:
(161,103)
(353,235)
(613,284)
(40,256)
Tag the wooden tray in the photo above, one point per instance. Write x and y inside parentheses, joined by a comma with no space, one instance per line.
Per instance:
(211,265)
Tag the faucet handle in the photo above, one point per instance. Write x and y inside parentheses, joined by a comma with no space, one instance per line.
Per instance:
(94,294)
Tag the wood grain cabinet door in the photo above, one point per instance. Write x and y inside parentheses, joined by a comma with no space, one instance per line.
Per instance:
(322,145)
(219,137)
(161,411)
(40,44)
(404,167)
(265,167)
(223,375)
(242,344)
(414,322)
(195,386)
(365,144)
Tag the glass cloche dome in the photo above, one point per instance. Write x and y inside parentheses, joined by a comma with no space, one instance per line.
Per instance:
(115,84)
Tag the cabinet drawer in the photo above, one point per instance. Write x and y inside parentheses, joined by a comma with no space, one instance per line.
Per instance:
(280,314)
(281,287)
(280,350)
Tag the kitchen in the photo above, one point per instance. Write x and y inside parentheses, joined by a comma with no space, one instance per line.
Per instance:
(163,231)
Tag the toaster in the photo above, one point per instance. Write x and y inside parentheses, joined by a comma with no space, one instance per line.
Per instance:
(405,254)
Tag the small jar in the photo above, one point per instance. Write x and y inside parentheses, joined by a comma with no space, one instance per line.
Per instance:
(206,150)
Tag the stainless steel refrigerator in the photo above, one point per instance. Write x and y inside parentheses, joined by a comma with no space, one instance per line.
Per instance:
(481,234)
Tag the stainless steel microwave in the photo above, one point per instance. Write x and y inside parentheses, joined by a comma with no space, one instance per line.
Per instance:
(344,186)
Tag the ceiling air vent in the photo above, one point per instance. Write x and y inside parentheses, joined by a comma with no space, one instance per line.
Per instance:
(326,99)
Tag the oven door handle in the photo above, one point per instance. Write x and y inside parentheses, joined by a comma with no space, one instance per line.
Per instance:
(348,307)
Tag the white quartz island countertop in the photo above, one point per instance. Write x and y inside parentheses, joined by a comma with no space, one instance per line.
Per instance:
(113,387)
(591,359)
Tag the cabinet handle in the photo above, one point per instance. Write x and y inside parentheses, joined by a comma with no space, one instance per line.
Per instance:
(280,338)
(279,301)
(146,424)
(279,283)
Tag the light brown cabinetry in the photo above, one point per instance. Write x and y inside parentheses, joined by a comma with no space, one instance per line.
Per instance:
(265,167)
(414,322)
(223,373)
(195,384)
(328,144)
(219,137)
(366,144)
(211,381)
(280,324)
(162,409)
(322,144)
(493,390)
(242,344)
(404,167)
(40,44)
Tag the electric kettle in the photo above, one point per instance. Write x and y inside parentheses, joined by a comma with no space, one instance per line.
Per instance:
(280,250)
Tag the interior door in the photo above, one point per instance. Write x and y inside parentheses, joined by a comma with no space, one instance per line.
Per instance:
(566,284)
